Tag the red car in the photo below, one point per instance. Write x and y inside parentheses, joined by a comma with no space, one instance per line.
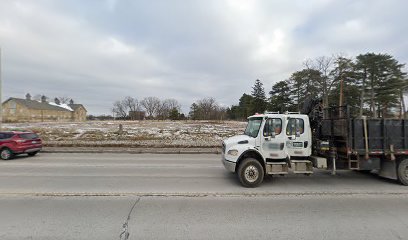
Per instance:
(14,143)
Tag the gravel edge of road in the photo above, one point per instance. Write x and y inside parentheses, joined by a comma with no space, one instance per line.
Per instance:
(132,150)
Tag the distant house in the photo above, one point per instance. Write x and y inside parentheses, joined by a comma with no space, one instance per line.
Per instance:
(28,110)
(137,115)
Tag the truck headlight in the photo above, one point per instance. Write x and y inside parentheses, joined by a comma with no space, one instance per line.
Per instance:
(232,152)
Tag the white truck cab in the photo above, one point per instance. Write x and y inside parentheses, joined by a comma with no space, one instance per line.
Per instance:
(271,144)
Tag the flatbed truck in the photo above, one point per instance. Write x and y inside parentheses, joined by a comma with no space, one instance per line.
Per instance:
(281,143)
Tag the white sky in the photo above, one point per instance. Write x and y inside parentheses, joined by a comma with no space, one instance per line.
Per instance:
(99,51)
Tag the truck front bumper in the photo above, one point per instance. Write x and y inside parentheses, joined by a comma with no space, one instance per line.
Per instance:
(230,166)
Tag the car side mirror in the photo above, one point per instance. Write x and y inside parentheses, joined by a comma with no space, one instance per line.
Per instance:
(273,134)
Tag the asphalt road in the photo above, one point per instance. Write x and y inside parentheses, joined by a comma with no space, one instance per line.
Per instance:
(88,196)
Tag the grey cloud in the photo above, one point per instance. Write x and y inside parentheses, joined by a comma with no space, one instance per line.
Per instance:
(100,51)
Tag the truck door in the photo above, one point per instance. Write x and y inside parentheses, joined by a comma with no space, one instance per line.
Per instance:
(298,136)
(273,139)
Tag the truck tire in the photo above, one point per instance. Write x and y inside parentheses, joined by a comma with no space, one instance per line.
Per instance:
(250,173)
(402,172)
(6,154)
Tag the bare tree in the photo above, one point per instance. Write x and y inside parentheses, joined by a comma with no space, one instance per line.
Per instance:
(207,106)
(207,109)
(324,65)
(151,104)
(119,109)
(162,110)
(172,103)
(131,103)
(220,113)
(64,99)
(166,106)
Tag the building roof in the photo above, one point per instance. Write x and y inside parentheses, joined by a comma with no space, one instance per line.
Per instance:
(33,104)
(76,106)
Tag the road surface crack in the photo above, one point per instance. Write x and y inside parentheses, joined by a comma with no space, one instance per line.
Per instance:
(124,235)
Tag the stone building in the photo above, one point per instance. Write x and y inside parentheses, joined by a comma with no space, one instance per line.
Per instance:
(28,110)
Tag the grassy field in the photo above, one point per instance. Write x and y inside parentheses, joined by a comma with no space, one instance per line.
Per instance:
(148,133)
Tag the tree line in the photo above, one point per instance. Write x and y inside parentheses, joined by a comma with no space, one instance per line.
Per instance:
(154,108)
(371,84)
(151,107)
(207,109)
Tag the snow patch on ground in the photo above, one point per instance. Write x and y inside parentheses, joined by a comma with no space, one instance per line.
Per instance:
(135,133)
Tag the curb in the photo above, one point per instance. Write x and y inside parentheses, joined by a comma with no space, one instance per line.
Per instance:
(133,150)
(199,194)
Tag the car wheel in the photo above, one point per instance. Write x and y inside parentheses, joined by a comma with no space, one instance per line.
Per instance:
(6,154)
(250,173)
(32,153)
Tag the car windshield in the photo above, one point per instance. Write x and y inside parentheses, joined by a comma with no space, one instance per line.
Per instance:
(253,126)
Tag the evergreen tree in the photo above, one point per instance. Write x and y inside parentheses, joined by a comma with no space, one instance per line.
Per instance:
(245,106)
(344,71)
(280,97)
(258,103)
(303,84)
(174,114)
(194,112)
(373,84)
(382,80)
(233,113)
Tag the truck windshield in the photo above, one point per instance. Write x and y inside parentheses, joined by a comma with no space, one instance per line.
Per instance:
(253,126)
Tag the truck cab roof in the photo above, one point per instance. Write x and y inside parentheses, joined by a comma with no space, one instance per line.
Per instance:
(277,114)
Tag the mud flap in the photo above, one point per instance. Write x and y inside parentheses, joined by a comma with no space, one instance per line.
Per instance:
(388,169)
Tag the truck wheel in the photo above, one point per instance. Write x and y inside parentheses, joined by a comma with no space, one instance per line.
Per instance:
(403,172)
(250,173)
(6,154)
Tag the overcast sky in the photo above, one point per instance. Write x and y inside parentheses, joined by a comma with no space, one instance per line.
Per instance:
(99,51)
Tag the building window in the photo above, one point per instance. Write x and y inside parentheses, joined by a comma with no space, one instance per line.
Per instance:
(13,105)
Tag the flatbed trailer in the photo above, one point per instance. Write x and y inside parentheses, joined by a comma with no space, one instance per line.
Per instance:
(364,144)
